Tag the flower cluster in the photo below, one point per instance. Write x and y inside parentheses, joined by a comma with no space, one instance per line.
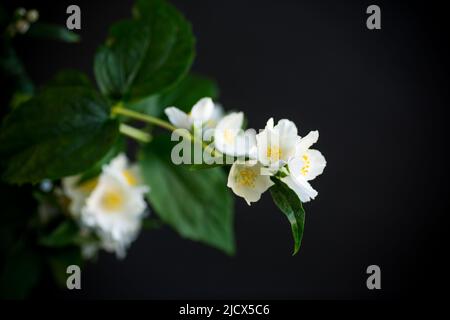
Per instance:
(22,20)
(111,206)
(276,151)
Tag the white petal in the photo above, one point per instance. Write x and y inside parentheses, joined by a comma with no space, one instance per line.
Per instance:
(306,142)
(75,193)
(217,115)
(269,124)
(233,120)
(178,118)
(245,143)
(286,129)
(119,163)
(301,187)
(262,143)
(202,111)
(318,164)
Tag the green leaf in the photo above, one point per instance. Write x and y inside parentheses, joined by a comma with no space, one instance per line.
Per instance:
(290,204)
(69,78)
(53,32)
(60,132)
(67,233)
(197,204)
(13,68)
(18,98)
(147,54)
(96,169)
(191,89)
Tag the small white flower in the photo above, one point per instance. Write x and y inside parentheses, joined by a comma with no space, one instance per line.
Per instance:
(200,114)
(231,140)
(305,166)
(276,144)
(246,181)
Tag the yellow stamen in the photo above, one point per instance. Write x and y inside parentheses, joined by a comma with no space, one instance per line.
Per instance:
(246,177)
(89,185)
(112,200)
(306,165)
(130,177)
(274,153)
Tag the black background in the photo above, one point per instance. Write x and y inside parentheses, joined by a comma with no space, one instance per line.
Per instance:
(378,99)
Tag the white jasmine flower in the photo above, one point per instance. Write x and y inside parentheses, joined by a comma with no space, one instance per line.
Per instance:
(229,138)
(276,144)
(200,114)
(246,181)
(116,206)
(305,166)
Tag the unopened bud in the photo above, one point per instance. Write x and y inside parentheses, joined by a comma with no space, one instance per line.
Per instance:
(32,15)
(22,26)
(21,12)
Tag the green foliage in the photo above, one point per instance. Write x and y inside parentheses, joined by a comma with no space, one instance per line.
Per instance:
(70,78)
(13,68)
(147,54)
(191,89)
(290,204)
(18,98)
(197,204)
(66,234)
(62,131)
(53,32)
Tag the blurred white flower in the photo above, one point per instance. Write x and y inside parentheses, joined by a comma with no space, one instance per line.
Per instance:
(200,114)
(246,181)
(305,166)
(229,138)
(112,205)
(116,206)
(276,144)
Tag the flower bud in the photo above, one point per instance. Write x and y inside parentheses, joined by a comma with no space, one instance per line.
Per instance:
(21,12)
(22,26)
(32,15)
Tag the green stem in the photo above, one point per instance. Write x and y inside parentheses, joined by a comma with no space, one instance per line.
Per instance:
(120,110)
(143,117)
(135,133)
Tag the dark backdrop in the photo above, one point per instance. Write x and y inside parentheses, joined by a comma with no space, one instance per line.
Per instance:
(378,99)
